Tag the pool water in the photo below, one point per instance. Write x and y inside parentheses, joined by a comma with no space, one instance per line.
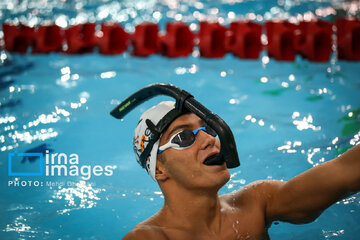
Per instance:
(286,118)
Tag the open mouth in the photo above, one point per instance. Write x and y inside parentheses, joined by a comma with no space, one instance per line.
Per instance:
(215,159)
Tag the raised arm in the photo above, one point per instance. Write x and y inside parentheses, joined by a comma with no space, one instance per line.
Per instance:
(303,198)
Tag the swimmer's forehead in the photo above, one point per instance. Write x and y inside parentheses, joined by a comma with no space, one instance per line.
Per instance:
(186,121)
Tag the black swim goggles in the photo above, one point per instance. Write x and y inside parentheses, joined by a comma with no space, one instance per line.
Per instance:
(186,138)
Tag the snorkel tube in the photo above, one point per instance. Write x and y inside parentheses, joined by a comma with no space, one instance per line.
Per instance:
(185,102)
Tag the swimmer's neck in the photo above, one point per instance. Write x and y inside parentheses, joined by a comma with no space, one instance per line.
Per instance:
(191,210)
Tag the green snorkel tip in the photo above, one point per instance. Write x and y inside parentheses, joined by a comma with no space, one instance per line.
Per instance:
(125,106)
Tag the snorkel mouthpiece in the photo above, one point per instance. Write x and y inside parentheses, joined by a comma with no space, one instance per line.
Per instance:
(185,102)
(214,160)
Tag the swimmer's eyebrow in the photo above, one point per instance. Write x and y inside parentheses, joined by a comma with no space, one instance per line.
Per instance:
(182,126)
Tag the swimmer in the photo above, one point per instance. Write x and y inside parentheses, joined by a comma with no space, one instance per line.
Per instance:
(193,208)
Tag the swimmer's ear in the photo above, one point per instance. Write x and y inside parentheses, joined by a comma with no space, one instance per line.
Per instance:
(160,172)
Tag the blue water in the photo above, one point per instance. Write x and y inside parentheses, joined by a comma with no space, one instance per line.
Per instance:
(286,117)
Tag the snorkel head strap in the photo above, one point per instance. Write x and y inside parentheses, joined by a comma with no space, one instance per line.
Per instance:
(185,102)
(156,132)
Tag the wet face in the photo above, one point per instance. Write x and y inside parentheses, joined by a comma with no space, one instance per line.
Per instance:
(185,167)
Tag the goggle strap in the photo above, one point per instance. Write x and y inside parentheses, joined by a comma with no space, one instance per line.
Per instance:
(199,129)
(153,129)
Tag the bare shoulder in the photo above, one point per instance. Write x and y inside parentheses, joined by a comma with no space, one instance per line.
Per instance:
(146,230)
(250,203)
(257,192)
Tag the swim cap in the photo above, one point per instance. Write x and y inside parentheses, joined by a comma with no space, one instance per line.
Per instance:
(143,134)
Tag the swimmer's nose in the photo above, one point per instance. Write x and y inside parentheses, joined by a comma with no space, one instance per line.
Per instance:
(206,140)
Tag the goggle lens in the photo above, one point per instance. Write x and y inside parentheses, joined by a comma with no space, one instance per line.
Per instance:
(186,138)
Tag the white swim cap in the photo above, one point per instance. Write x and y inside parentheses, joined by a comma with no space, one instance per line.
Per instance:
(142,134)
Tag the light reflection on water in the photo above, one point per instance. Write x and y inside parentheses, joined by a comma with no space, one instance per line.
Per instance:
(306,123)
(16,133)
(83,195)
(20,224)
(333,233)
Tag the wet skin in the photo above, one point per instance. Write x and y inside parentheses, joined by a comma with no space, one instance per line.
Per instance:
(194,210)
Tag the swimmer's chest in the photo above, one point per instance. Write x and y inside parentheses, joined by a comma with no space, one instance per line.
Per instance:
(235,226)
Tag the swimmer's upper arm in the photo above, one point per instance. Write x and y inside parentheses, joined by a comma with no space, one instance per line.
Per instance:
(303,198)
(148,233)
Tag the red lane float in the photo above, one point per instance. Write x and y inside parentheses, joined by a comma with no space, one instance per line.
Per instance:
(280,36)
(244,39)
(348,38)
(178,41)
(212,40)
(145,40)
(80,38)
(313,40)
(114,39)
(17,38)
(48,39)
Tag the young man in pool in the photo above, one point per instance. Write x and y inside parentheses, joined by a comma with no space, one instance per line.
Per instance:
(194,210)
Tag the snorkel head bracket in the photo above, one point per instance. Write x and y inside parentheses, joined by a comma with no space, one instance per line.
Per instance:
(185,102)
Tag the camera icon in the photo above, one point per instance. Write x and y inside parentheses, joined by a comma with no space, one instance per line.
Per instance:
(17,168)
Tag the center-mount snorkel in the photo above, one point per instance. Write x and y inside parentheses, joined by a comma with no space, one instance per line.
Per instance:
(186,102)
